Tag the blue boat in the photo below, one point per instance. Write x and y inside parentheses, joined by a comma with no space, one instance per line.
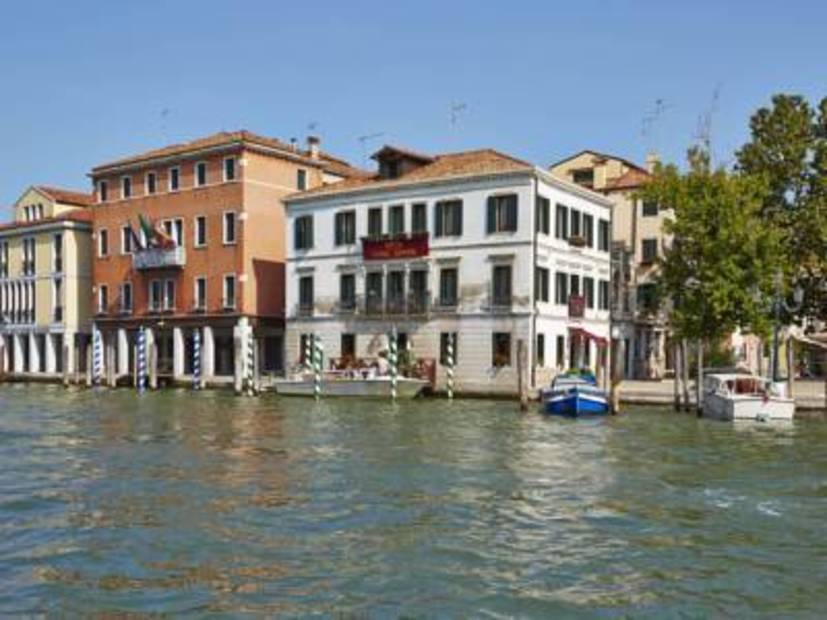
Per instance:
(573,394)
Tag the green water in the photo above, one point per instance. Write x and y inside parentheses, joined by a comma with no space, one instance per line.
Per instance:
(209,504)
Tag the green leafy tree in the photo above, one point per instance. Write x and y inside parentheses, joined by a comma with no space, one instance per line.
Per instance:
(788,150)
(719,269)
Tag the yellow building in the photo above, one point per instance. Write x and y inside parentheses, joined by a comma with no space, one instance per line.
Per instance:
(45,284)
(638,240)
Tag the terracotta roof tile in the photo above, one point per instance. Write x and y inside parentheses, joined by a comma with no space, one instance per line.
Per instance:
(67,196)
(75,215)
(631,179)
(227,138)
(600,155)
(448,165)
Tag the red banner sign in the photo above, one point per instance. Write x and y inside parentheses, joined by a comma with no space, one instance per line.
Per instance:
(397,247)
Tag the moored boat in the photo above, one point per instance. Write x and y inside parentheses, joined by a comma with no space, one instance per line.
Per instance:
(743,396)
(574,394)
(337,383)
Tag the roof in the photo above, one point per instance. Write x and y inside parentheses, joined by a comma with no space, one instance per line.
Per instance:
(630,179)
(449,165)
(76,215)
(628,162)
(226,139)
(402,151)
(66,196)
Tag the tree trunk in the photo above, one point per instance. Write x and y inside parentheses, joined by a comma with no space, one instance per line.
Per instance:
(699,381)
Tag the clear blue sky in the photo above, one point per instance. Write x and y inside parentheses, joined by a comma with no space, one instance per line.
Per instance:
(85,82)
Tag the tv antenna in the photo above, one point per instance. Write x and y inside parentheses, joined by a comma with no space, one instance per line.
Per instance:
(363,141)
(650,121)
(704,132)
(312,125)
(457,108)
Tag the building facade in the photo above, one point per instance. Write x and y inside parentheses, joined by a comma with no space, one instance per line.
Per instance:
(45,285)
(638,240)
(478,249)
(190,238)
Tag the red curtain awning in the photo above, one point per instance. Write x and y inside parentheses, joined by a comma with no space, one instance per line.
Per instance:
(579,332)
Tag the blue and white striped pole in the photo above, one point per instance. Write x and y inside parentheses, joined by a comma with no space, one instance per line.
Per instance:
(393,360)
(141,359)
(251,343)
(196,359)
(309,347)
(318,350)
(97,356)
(449,365)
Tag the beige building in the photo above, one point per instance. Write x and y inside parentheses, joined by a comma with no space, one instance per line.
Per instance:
(45,284)
(638,240)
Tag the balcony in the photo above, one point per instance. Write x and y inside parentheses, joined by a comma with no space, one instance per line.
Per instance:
(159,258)
(577,241)
(416,303)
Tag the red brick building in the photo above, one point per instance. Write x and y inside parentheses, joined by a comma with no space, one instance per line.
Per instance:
(218,202)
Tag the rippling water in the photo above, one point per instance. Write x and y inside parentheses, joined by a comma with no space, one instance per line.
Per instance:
(207,503)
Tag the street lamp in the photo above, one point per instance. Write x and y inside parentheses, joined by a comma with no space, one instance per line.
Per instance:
(778,304)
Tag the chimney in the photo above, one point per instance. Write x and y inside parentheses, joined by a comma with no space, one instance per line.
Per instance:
(294,145)
(652,160)
(313,146)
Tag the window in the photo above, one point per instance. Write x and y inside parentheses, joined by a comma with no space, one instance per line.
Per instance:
(155,294)
(561,288)
(126,239)
(57,300)
(175,230)
(4,259)
(646,300)
(448,218)
(574,284)
(347,291)
(603,235)
(103,298)
(574,227)
(347,346)
(650,208)
(126,297)
(303,232)
(345,228)
(540,350)
(126,187)
(169,295)
(584,177)
(561,222)
(396,220)
(229,169)
(650,250)
(29,257)
(543,215)
(560,357)
(502,213)
(396,290)
(229,228)
(200,301)
(444,339)
(541,284)
(448,281)
(419,218)
(375,222)
(174,179)
(306,294)
(103,242)
(103,191)
(588,229)
(151,183)
(301,179)
(229,292)
(200,174)
(502,285)
(500,349)
(57,253)
(603,295)
(200,239)
(373,291)
(588,289)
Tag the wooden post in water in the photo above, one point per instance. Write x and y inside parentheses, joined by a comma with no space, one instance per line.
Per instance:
(65,363)
(676,388)
(699,381)
(521,360)
(614,378)
(685,373)
(790,368)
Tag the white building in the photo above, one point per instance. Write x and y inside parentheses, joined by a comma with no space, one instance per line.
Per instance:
(476,246)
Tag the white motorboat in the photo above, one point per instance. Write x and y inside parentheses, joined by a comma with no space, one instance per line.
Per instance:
(742,396)
(349,383)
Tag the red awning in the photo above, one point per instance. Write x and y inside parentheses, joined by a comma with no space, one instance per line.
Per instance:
(579,332)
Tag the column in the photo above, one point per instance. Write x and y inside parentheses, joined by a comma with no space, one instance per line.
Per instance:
(34,354)
(51,354)
(207,354)
(68,353)
(18,352)
(178,352)
(109,358)
(123,353)
(4,354)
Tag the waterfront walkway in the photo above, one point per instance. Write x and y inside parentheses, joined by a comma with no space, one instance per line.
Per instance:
(809,395)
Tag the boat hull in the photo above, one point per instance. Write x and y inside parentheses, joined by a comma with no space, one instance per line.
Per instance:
(364,388)
(575,404)
(748,407)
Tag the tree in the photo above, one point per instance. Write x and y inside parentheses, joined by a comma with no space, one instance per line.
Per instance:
(788,150)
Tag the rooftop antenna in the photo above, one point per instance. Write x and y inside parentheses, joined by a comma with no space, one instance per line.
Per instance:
(649,124)
(704,132)
(312,125)
(164,114)
(457,108)
(363,141)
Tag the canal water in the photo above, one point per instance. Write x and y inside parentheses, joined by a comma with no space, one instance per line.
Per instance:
(204,503)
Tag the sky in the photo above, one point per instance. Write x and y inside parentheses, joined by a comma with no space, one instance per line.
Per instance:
(82,82)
